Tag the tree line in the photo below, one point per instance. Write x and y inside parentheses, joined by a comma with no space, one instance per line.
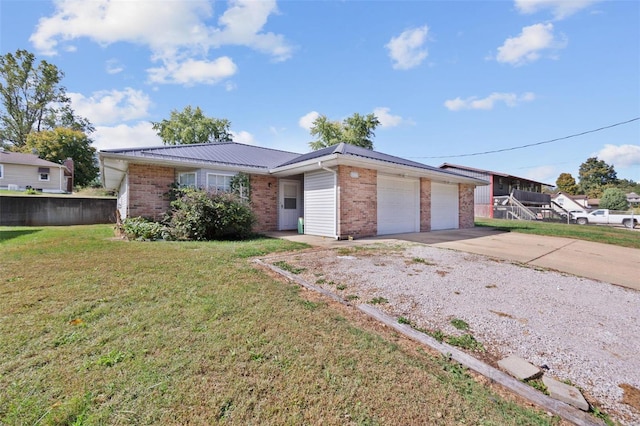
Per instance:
(597,179)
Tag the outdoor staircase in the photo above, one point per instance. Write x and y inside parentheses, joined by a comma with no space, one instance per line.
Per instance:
(518,210)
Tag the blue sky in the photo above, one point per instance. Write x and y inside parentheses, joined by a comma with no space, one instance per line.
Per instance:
(445,78)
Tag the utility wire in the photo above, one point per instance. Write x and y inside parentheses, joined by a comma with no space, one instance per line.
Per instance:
(537,143)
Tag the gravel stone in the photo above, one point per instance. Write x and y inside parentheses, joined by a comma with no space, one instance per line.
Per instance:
(581,330)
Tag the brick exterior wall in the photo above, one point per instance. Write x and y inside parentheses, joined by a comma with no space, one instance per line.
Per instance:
(357,202)
(465,206)
(425,205)
(148,188)
(264,202)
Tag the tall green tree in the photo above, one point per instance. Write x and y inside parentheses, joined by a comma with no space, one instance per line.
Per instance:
(567,184)
(595,175)
(628,185)
(62,143)
(355,130)
(191,126)
(614,199)
(33,99)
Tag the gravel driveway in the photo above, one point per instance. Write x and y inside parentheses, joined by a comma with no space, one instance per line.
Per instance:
(584,331)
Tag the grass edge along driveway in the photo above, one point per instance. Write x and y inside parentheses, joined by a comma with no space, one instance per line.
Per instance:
(596,233)
(95,330)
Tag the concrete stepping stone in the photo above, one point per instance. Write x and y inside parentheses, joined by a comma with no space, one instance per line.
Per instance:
(519,368)
(565,393)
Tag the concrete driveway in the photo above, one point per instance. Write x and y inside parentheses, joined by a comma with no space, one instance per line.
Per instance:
(604,262)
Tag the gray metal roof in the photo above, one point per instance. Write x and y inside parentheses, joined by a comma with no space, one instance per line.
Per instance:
(230,154)
(239,156)
(356,151)
(9,157)
(458,167)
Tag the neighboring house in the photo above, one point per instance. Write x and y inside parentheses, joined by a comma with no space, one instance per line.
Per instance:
(633,199)
(565,204)
(500,185)
(341,191)
(571,202)
(20,171)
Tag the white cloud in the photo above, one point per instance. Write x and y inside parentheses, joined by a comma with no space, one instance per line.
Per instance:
(407,50)
(306,121)
(509,99)
(560,8)
(106,107)
(620,155)
(192,72)
(527,46)
(242,24)
(243,137)
(388,120)
(176,32)
(140,134)
(113,66)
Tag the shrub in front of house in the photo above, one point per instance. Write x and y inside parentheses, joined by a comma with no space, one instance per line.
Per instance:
(198,215)
(139,228)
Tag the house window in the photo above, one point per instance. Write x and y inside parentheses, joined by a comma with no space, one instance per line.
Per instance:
(43,174)
(1,171)
(186,180)
(560,201)
(218,183)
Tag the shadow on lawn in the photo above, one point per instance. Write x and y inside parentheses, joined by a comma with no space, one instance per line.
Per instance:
(6,235)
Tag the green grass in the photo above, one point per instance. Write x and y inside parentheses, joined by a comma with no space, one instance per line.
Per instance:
(97,331)
(599,234)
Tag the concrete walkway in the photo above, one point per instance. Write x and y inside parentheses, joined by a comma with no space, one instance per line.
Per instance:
(603,262)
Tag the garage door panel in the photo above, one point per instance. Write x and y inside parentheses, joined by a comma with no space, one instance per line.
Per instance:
(444,206)
(320,204)
(398,205)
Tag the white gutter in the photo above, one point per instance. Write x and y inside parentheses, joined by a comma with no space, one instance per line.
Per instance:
(335,186)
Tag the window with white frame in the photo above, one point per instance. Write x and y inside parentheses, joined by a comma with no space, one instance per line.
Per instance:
(43,174)
(187,180)
(218,183)
(1,171)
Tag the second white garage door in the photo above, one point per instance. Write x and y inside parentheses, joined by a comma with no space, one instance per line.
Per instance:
(444,206)
(398,205)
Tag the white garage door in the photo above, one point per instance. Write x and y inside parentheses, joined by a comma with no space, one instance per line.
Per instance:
(444,206)
(398,205)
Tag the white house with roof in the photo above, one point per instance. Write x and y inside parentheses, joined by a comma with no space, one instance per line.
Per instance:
(19,171)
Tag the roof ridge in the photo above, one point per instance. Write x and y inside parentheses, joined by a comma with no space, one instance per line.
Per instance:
(156,148)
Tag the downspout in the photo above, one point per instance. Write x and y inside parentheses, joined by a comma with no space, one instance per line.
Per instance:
(335,175)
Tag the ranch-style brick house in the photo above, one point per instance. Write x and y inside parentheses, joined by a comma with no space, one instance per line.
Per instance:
(342,191)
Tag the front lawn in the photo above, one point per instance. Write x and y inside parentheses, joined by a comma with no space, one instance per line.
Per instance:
(95,330)
(596,233)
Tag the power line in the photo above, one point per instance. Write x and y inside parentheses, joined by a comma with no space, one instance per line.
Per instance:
(537,143)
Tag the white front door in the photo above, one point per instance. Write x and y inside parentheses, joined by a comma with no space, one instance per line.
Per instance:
(290,207)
